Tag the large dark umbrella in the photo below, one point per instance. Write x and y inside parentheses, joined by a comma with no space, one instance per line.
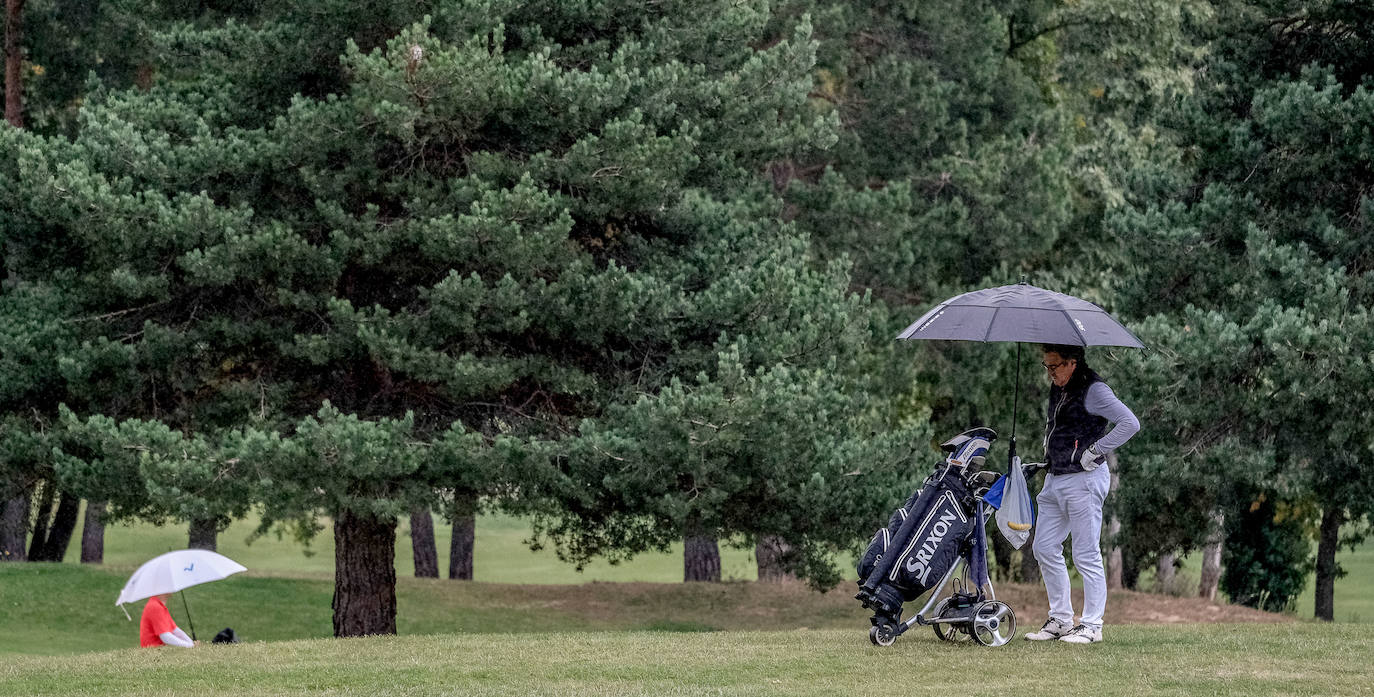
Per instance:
(1021,312)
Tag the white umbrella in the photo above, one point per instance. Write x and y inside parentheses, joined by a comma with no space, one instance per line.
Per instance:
(175,571)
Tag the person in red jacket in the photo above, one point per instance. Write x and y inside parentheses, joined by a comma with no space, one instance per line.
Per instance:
(156,627)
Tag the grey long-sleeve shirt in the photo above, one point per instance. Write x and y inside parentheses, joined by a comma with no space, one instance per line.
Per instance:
(1101,401)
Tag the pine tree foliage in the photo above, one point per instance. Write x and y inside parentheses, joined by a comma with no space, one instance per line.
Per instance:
(477,228)
(782,451)
(634,268)
(1266,286)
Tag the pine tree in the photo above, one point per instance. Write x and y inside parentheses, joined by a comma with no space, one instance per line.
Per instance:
(403,284)
(1264,285)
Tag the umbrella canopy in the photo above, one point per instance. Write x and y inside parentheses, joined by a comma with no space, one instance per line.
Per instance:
(174,571)
(1021,312)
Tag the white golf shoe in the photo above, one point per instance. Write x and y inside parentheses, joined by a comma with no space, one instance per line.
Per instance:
(1083,634)
(1053,629)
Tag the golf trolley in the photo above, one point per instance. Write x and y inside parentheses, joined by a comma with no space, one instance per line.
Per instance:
(959,617)
(939,534)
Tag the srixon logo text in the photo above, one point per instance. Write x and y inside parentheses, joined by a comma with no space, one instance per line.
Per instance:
(919,563)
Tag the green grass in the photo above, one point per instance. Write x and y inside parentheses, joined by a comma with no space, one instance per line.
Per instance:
(499,556)
(69,608)
(1354,593)
(1291,659)
(502,557)
(575,637)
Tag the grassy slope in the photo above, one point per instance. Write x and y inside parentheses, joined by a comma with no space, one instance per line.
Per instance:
(500,555)
(1354,593)
(1289,659)
(67,608)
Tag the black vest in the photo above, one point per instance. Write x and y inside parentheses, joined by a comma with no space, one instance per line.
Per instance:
(1069,428)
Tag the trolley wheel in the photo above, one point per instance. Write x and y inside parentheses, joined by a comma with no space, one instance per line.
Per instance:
(993,623)
(944,630)
(882,634)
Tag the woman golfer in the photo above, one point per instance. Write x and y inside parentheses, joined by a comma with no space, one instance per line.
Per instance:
(1076,445)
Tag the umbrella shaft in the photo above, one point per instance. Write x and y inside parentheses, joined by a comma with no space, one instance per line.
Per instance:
(189,621)
(1016,398)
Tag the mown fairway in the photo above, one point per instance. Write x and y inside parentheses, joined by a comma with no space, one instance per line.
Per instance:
(285,595)
(591,638)
(1289,659)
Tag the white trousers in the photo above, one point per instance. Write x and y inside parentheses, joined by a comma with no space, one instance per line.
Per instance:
(1070,506)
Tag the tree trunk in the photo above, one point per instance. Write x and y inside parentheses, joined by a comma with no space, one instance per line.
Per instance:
(203,533)
(1130,570)
(1114,576)
(14,114)
(1211,557)
(422,543)
(1114,564)
(1164,573)
(1328,540)
(14,60)
(700,554)
(63,525)
(143,77)
(1028,571)
(14,528)
(364,575)
(40,524)
(460,547)
(769,552)
(1030,568)
(93,534)
(1001,557)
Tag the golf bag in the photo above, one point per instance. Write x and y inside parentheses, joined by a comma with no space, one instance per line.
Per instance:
(930,532)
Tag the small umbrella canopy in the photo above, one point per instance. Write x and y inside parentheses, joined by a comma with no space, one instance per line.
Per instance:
(1021,312)
(174,571)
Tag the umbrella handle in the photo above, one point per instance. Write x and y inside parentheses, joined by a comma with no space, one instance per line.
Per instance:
(188,615)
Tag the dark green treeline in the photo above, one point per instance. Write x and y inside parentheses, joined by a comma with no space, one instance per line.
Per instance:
(633,269)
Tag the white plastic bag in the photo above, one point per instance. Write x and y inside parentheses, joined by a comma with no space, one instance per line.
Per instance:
(1016,514)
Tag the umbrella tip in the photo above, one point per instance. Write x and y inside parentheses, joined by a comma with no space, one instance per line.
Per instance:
(1024,280)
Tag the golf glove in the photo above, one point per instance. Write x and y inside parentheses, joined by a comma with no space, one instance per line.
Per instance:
(1092,458)
(1030,469)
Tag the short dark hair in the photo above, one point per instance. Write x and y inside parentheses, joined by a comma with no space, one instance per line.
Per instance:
(1065,351)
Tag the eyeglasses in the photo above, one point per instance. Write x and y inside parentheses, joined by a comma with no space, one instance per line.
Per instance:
(1053,366)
